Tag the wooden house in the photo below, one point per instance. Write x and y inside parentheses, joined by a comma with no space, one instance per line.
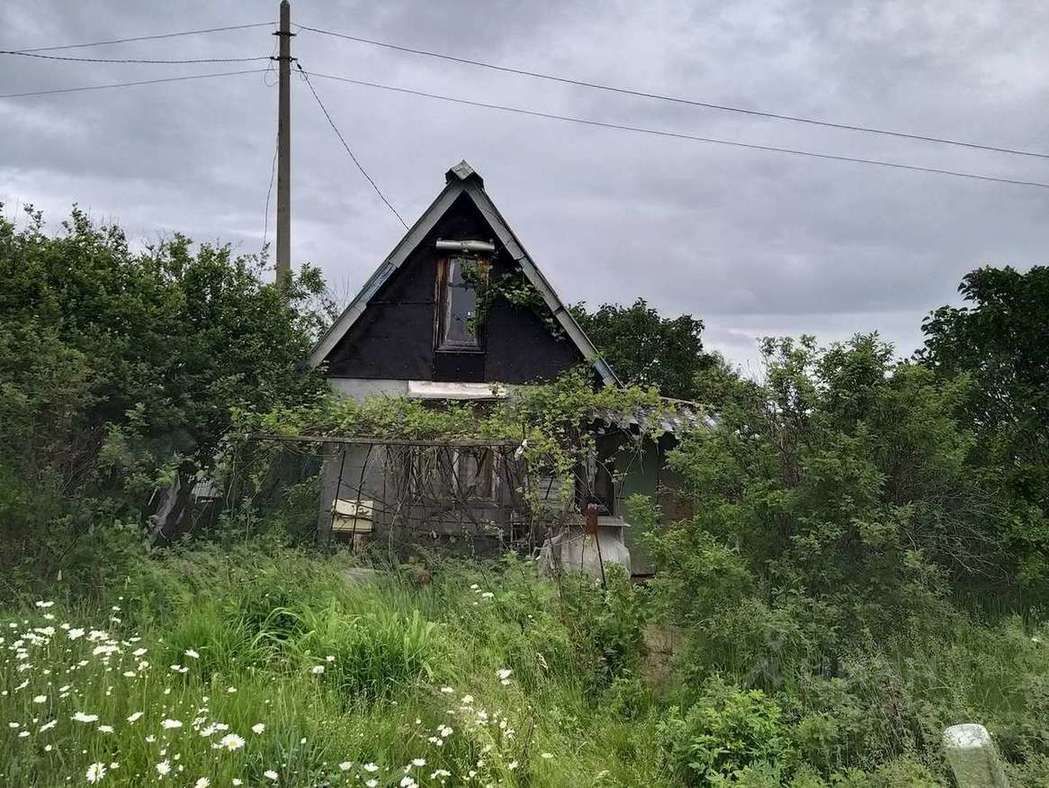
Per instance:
(420,328)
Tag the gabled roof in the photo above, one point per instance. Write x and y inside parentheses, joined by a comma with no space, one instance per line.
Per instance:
(462,179)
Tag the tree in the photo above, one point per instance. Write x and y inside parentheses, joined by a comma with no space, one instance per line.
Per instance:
(118,366)
(999,341)
(646,349)
(837,494)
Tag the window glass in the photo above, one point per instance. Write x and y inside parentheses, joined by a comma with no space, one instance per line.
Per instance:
(459,308)
(448,474)
(474,473)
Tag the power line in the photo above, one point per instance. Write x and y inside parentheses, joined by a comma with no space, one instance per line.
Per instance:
(146,38)
(306,77)
(678,99)
(681,135)
(130,84)
(134,60)
(269,192)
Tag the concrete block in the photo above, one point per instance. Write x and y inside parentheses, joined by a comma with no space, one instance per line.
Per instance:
(973,757)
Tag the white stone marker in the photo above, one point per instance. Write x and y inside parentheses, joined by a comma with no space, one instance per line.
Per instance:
(973,758)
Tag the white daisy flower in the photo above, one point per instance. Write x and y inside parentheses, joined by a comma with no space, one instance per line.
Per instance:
(170,724)
(163,768)
(95,772)
(269,774)
(258,727)
(81,717)
(231,742)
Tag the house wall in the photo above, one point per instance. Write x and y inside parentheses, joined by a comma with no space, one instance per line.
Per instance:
(394,338)
(648,474)
(407,513)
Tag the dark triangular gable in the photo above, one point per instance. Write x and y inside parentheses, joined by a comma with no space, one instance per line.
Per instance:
(387,332)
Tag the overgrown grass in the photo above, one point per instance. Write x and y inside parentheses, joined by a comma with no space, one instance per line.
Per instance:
(486,675)
(473,678)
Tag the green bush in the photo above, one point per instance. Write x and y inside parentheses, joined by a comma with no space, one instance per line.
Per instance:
(607,624)
(725,731)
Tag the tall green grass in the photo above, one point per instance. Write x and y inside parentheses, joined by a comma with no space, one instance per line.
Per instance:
(409,681)
(346,677)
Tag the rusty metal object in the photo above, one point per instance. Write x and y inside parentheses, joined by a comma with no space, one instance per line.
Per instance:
(590,525)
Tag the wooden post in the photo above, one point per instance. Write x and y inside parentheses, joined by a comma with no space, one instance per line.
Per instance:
(973,758)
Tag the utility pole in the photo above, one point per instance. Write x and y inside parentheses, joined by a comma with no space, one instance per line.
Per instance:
(284,146)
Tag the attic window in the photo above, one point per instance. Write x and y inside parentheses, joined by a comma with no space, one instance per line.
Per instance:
(458,280)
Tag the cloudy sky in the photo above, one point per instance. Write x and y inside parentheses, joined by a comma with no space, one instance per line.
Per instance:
(755,243)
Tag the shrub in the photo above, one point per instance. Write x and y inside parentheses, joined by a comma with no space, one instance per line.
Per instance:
(607,625)
(727,730)
(628,697)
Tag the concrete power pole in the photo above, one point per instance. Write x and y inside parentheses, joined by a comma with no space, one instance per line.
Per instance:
(284,146)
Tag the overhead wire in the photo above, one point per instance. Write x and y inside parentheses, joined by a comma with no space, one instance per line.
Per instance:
(269,193)
(678,134)
(342,139)
(153,37)
(676,99)
(108,85)
(134,59)
(33,52)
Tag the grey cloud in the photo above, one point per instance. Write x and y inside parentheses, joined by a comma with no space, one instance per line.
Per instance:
(753,242)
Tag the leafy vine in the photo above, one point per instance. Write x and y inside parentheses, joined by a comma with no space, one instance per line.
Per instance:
(514,288)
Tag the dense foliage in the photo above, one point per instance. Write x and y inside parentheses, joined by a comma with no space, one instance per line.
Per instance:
(863,565)
(551,424)
(647,349)
(300,665)
(120,367)
(844,485)
(1000,342)
(847,534)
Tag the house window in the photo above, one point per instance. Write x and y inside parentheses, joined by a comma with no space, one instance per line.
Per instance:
(454,474)
(474,474)
(457,317)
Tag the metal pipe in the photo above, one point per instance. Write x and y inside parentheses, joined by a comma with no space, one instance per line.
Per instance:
(465,246)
